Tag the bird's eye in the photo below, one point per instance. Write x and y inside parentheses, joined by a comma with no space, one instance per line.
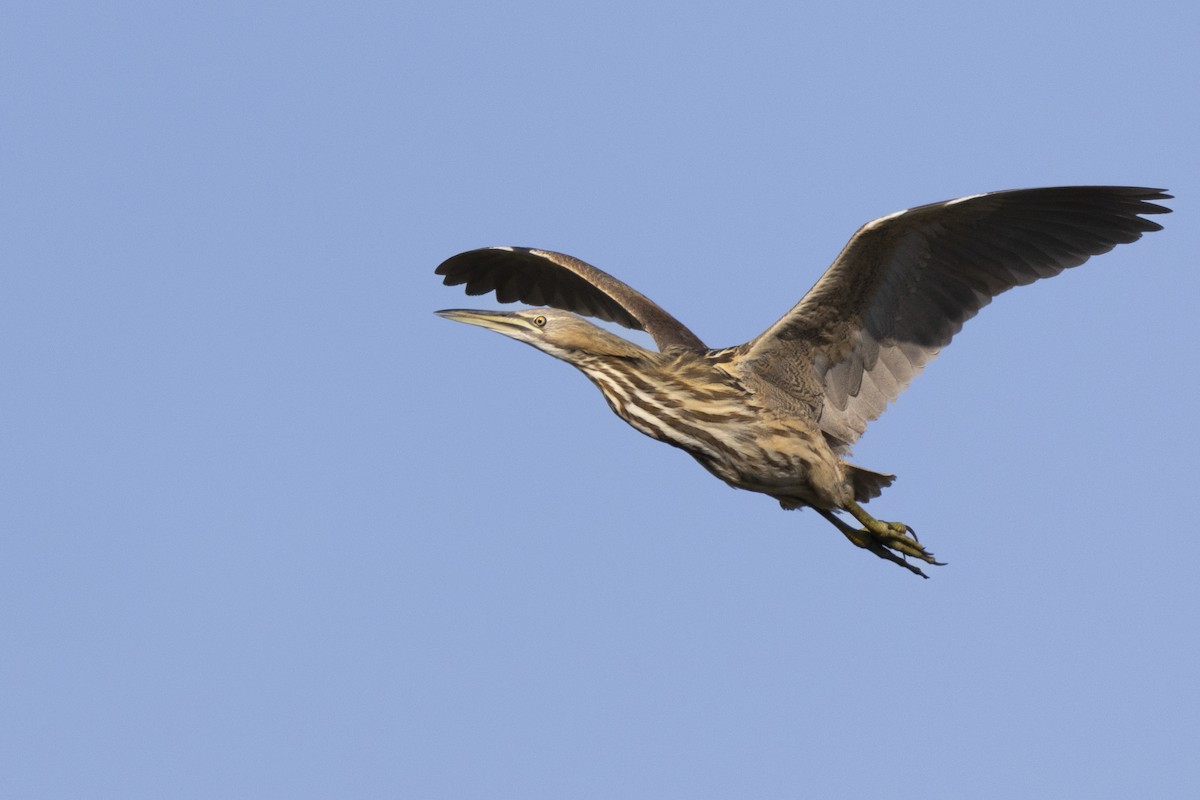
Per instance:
(539,321)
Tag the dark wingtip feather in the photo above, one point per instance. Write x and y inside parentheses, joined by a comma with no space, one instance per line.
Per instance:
(530,275)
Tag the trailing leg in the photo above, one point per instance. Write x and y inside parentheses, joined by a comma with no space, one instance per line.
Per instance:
(891,541)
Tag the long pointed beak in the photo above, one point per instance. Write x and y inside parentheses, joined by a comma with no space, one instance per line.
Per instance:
(500,321)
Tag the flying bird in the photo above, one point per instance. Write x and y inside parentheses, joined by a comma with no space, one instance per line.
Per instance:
(779,414)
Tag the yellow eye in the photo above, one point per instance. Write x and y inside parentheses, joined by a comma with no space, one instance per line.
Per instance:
(539,321)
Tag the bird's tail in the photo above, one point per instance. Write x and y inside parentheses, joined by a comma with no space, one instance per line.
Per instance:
(868,484)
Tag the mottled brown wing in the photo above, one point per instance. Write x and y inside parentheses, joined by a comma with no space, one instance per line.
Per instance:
(545,278)
(904,285)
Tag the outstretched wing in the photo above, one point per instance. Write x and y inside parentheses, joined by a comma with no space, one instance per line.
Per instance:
(905,284)
(545,278)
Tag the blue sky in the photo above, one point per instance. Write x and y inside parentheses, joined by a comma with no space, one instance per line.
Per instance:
(270,528)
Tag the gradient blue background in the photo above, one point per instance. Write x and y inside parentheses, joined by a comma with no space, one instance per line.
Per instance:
(269,528)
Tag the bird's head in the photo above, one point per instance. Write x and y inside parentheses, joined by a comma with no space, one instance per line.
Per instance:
(560,333)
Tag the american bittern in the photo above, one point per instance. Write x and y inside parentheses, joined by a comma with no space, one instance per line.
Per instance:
(777,414)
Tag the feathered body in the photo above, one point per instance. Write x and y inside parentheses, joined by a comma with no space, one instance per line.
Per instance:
(700,403)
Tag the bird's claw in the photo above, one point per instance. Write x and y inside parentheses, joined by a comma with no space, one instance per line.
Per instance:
(900,537)
(892,541)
